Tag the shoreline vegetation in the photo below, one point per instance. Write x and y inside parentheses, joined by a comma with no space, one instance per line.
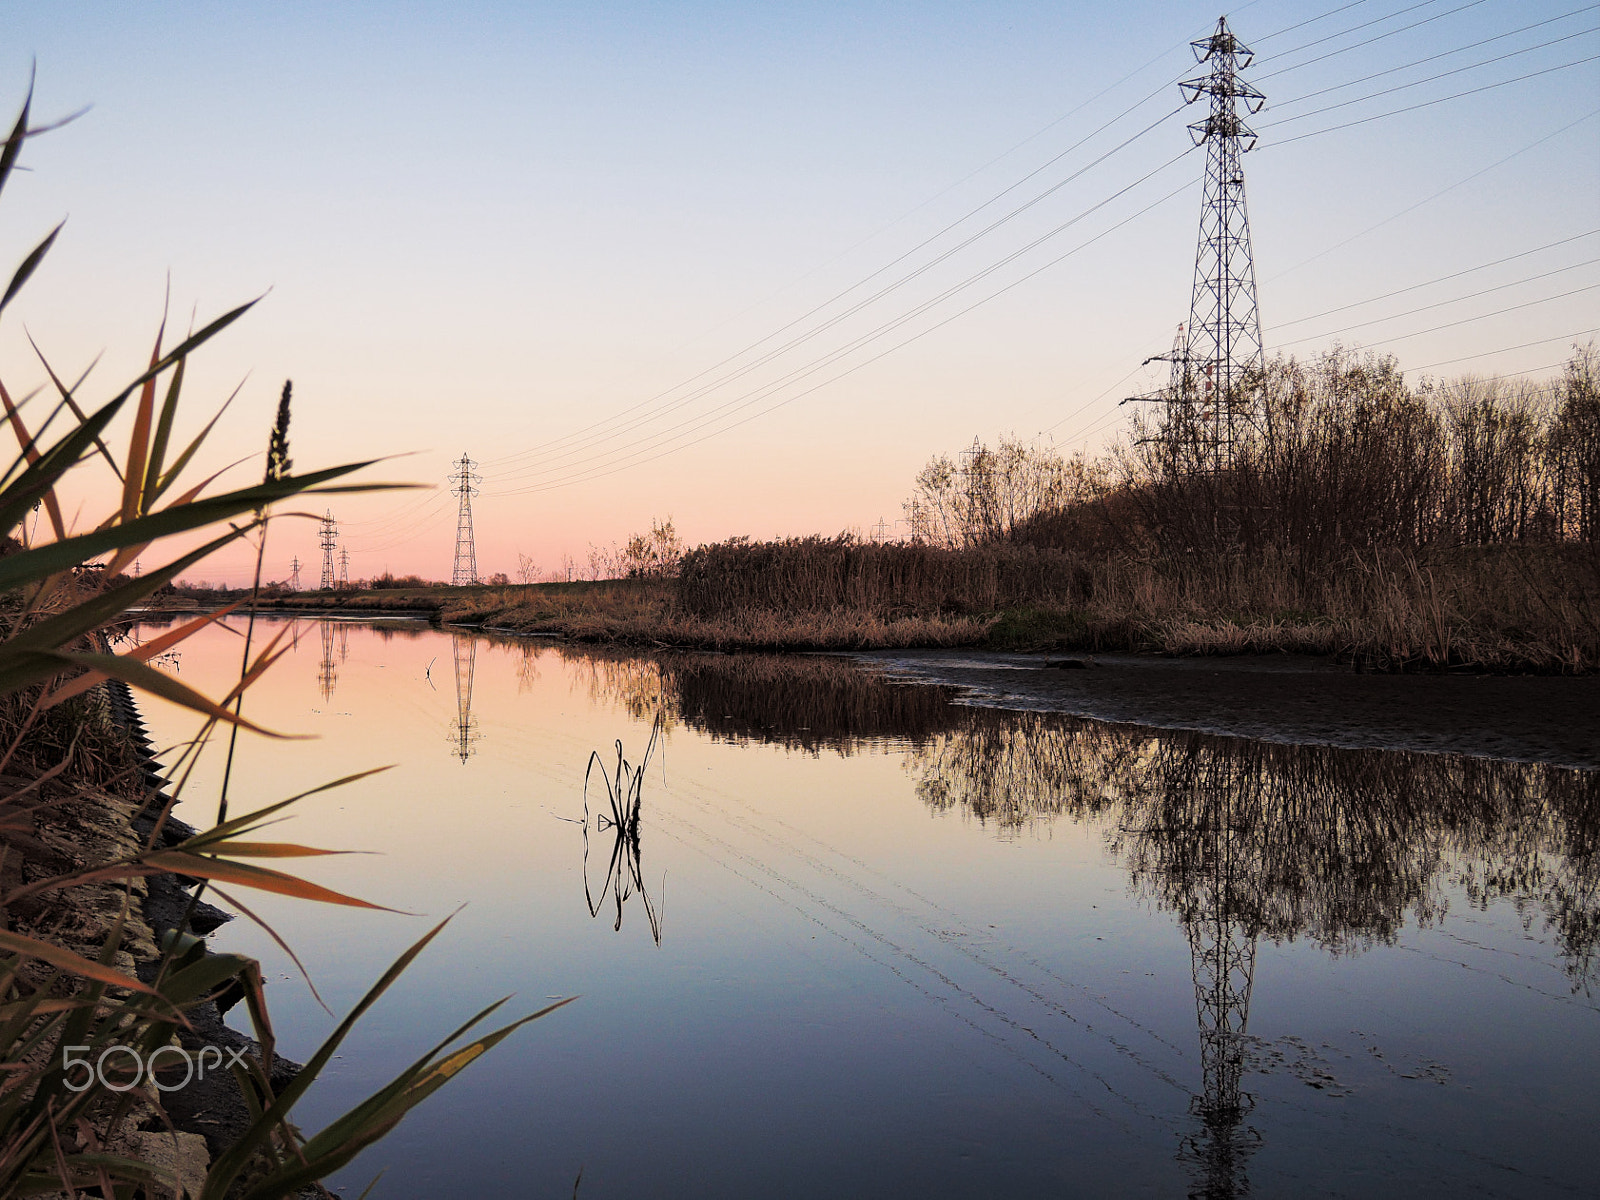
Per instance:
(1515,609)
(1445,526)
(112,1079)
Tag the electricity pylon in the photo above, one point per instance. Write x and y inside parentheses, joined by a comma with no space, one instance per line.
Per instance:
(464,649)
(344,567)
(294,574)
(330,542)
(1223,341)
(466,568)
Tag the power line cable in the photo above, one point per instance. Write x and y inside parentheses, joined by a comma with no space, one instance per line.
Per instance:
(1499,37)
(1508,349)
(1260,79)
(1401,87)
(1379,21)
(829,359)
(886,290)
(1444,191)
(601,472)
(1328,312)
(1267,37)
(1449,324)
(594,432)
(872,335)
(858,306)
(1441,303)
(902,257)
(1488,87)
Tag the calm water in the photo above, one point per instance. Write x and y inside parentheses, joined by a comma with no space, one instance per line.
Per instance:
(869,942)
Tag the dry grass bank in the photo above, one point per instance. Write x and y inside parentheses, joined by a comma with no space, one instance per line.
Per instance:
(1494,607)
(1497,608)
(650,612)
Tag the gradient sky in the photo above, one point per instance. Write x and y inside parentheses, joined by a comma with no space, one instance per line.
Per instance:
(486,227)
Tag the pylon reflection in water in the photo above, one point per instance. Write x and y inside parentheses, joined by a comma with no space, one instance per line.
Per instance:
(327,676)
(1222,927)
(464,648)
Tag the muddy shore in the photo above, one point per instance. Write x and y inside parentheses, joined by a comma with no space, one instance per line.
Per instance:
(1284,698)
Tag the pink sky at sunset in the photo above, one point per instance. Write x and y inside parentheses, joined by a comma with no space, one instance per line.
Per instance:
(492,227)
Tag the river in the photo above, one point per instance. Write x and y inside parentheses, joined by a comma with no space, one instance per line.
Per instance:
(859,938)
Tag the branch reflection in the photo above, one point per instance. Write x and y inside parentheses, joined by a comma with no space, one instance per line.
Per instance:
(624,801)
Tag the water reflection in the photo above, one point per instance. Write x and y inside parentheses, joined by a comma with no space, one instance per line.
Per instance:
(464,649)
(1238,839)
(619,817)
(1341,846)
(327,675)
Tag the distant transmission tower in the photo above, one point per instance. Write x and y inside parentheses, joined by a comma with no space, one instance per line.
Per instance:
(294,574)
(330,542)
(344,568)
(466,568)
(1224,333)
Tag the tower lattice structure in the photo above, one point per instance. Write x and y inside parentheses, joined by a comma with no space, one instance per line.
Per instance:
(1222,343)
(294,574)
(344,567)
(464,479)
(329,538)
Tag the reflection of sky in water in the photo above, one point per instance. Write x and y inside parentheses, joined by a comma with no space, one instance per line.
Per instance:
(914,948)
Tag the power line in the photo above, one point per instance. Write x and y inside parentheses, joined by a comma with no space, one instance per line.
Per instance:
(1499,37)
(1267,37)
(600,431)
(1488,87)
(1376,21)
(1508,349)
(1450,324)
(1439,303)
(1400,87)
(1537,142)
(678,432)
(601,473)
(827,359)
(837,318)
(1368,42)
(1446,278)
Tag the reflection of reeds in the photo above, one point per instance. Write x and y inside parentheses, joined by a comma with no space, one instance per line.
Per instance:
(799,702)
(624,800)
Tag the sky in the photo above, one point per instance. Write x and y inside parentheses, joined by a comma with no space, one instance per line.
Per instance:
(751,266)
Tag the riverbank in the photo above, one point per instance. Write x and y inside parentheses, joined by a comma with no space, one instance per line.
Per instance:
(1491,610)
(103,808)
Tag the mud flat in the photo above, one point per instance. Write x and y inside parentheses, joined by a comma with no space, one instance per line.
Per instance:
(1284,698)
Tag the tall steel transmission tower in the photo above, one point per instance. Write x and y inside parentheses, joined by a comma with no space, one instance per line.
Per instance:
(1224,332)
(466,568)
(344,567)
(294,574)
(330,542)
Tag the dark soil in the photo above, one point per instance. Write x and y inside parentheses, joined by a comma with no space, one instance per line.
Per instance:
(1286,698)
